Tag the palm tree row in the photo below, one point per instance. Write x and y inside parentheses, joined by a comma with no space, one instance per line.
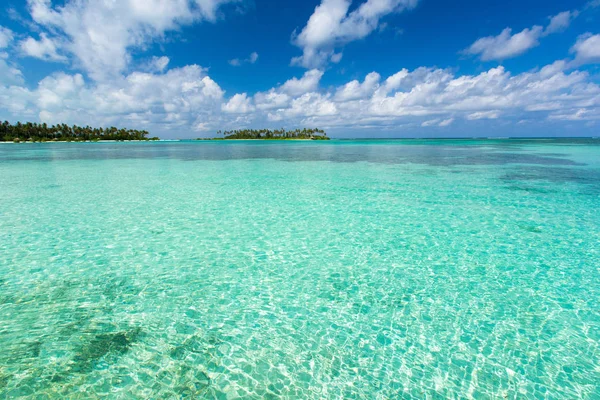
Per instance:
(277,134)
(62,132)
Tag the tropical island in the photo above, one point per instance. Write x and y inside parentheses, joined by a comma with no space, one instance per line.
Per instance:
(267,134)
(33,132)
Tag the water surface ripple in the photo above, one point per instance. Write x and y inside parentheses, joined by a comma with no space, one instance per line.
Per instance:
(350,269)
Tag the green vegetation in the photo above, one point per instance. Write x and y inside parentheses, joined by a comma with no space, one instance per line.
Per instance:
(277,134)
(33,132)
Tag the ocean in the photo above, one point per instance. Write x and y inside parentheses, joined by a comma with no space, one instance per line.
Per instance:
(373,269)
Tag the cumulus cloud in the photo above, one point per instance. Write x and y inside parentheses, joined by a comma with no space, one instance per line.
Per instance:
(433,97)
(6,37)
(426,92)
(311,104)
(308,82)
(238,104)
(188,100)
(356,90)
(177,98)
(101,34)
(44,49)
(508,45)
(586,49)
(283,96)
(332,26)
(236,62)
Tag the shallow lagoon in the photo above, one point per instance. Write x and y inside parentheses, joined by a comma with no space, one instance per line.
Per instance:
(354,269)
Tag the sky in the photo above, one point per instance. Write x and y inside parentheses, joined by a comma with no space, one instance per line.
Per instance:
(362,68)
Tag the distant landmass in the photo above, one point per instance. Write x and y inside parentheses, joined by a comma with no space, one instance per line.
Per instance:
(267,134)
(33,132)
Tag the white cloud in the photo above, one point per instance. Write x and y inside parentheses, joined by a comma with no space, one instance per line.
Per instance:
(6,37)
(9,75)
(271,100)
(253,58)
(238,104)
(438,122)
(577,115)
(331,27)
(587,49)
(544,106)
(236,62)
(592,4)
(356,90)
(483,115)
(430,122)
(55,93)
(436,97)
(309,82)
(561,21)
(281,97)
(101,34)
(177,98)
(311,105)
(44,49)
(393,82)
(159,64)
(508,45)
(336,57)
(184,100)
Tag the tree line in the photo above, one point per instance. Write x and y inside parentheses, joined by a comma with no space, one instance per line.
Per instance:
(34,132)
(277,134)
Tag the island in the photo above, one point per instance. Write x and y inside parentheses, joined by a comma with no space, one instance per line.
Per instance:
(34,132)
(267,134)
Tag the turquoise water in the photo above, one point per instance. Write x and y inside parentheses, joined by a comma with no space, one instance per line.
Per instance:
(348,269)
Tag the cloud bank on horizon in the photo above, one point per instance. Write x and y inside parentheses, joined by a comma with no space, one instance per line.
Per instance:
(107,63)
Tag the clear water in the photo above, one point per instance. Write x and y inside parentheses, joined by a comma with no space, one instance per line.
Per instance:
(349,269)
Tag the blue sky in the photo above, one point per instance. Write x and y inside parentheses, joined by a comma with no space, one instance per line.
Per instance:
(363,68)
